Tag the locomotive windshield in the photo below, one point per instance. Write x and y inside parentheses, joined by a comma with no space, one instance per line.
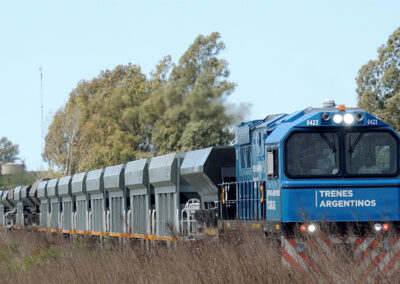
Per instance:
(312,154)
(317,154)
(370,153)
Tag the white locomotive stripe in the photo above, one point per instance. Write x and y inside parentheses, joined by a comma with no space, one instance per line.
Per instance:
(374,257)
(374,273)
(336,240)
(349,240)
(366,262)
(325,251)
(321,244)
(364,246)
(391,253)
(286,263)
(396,266)
(290,262)
(364,269)
(396,259)
(294,254)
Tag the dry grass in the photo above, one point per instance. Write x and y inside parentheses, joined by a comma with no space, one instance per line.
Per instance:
(31,257)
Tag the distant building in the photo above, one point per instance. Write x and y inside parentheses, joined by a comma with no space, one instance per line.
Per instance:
(8,169)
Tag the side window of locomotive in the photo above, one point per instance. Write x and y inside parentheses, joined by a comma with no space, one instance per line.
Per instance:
(245,159)
(370,153)
(312,154)
(272,163)
(242,160)
(276,163)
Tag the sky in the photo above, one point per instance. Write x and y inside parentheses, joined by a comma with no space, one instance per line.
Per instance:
(283,55)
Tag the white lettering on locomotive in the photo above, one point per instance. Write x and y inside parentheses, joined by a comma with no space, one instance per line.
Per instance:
(274,192)
(312,122)
(271,205)
(329,199)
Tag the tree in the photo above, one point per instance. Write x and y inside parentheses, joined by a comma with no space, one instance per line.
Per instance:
(8,151)
(100,124)
(122,115)
(114,131)
(378,83)
(193,99)
(63,140)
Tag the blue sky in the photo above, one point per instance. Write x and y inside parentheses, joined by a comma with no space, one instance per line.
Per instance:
(283,55)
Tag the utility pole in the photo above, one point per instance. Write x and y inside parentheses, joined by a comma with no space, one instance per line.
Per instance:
(41,116)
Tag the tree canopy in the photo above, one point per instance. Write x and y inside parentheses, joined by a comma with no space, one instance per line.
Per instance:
(8,151)
(123,115)
(378,83)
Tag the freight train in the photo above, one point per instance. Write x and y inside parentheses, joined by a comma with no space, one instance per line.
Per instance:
(302,171)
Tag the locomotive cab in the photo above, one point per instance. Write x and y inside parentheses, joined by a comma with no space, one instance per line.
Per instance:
(316,168)
(340,171)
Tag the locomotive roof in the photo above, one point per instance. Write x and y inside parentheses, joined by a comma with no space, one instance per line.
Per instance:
(299,120)
(279,125)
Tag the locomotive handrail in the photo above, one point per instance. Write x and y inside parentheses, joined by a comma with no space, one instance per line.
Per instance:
(242,200)
(191,206)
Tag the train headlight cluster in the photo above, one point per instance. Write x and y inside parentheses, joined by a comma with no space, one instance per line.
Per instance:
(310,228)
(342,117)
(347,118)
(379,227)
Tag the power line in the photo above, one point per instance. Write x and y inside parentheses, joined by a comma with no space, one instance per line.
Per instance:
(41,116)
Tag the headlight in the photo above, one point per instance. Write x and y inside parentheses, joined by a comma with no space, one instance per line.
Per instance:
(348,118)
(311,228)
(337,118)
(378,227)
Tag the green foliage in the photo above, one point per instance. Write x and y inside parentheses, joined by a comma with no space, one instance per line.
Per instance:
(8,151)
(20,178)
(378,83)
(203,133)
(100,124)
(62,140)
(122,115)
(193,98)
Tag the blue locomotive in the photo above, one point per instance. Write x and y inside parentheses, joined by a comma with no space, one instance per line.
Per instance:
(317,166)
